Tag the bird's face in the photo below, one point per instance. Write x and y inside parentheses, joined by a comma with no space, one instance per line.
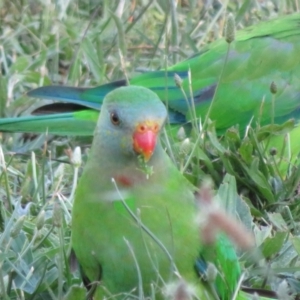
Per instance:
(130,121)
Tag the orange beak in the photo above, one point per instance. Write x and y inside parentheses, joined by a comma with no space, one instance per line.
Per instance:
(144,138)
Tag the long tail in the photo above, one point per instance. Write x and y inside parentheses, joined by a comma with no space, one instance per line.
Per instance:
(80,123)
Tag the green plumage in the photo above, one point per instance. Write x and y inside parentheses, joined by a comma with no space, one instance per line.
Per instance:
(135,232)
(223,256)
(260,55)
(130,228)
(111,221)
(101,223)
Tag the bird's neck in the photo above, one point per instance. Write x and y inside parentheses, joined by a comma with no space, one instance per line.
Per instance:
(125,171)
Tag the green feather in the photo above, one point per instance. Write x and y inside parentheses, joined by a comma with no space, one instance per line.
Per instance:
(60,124)
(107,236)
(260,55)
(134,232)
(223,256)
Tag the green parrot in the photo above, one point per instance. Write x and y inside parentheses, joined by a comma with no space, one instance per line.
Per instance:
(261,54)
(128,228)
(134,227)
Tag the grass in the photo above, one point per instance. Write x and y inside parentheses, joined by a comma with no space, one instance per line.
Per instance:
(82,43)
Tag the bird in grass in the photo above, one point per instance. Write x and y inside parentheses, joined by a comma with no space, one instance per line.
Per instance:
(261,56)
(128,230)
(134,228)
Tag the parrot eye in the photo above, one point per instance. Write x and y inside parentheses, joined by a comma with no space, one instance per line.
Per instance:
(114,118)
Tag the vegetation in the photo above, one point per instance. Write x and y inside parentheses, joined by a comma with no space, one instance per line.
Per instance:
(86,43)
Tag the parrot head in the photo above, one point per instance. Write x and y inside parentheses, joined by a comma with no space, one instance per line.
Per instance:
(131,119)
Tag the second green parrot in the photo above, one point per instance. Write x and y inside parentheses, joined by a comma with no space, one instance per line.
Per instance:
(264,53)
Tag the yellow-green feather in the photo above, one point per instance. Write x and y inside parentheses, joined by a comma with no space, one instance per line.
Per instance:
(107,234)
